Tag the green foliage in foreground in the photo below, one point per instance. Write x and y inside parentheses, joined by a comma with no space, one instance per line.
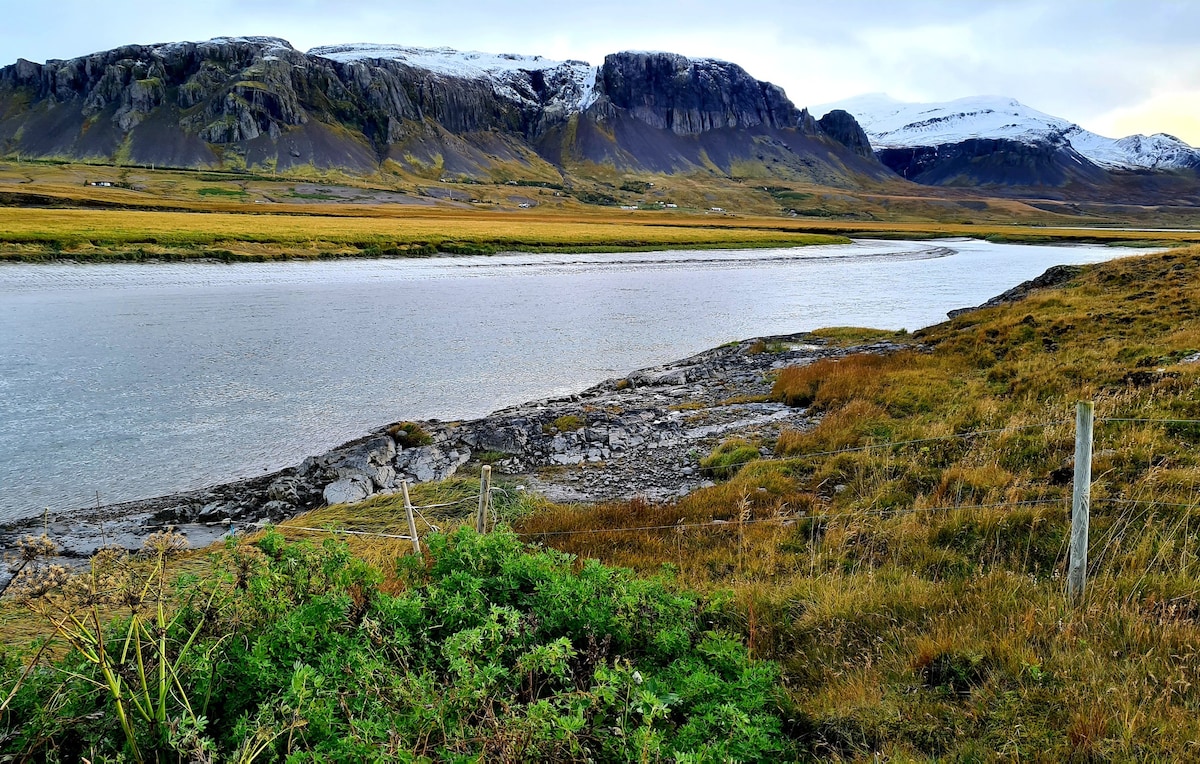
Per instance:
(488,651)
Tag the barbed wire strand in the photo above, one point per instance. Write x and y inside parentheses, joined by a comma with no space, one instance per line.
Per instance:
(892,444)
(1149,421)
(1151,502)
(350,533)
(884,513)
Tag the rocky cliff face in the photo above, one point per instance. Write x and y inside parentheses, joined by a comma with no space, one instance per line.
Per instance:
(256,101)
(692,96)
(841,126)
(984,161)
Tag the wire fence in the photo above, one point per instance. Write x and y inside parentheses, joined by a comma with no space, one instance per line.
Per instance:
(1132,513)
(856,514)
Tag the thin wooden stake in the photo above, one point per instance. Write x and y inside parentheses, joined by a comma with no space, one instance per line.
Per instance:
(485,490)
(1081,501)
(412,523)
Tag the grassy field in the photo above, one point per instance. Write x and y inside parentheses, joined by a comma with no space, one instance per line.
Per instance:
(92,233)
(44,234)
(52,211)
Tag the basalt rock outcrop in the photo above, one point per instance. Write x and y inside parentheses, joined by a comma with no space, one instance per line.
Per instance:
(841,126)
(1053,276)
(690,96)
(256,102)
(995,162)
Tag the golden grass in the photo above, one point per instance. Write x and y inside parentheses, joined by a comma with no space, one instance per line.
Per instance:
(916,630)
(80,229)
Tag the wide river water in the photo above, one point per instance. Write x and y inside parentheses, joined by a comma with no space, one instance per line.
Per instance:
(120,382)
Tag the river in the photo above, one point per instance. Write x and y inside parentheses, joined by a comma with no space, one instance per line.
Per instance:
(120,382)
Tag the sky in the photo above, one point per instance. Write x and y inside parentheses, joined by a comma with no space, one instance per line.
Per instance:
(1116,67)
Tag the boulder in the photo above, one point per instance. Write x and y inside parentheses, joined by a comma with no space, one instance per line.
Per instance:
(429,463)
(347,490)
(285,489)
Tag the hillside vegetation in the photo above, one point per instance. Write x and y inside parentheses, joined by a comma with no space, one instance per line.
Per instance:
(894,574)
(55,211)
(914,593)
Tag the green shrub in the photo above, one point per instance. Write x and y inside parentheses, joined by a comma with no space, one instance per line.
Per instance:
(487,651)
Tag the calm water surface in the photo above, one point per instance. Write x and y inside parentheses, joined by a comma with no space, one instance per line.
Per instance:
(129,381)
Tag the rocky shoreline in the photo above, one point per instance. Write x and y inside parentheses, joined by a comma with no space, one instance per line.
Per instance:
(638,435)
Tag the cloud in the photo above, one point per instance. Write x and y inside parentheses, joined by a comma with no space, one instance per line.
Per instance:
(1176,113)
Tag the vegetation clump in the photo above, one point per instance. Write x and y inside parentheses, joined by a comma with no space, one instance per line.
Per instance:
(410,435)
(565,423)
(729,457)
(480,650)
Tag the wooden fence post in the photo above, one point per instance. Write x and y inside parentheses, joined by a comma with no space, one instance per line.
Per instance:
(1081,501)
(485,498)
(412,523)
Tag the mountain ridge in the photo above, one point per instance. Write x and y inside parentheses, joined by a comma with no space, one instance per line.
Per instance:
(894,124)
(258,102)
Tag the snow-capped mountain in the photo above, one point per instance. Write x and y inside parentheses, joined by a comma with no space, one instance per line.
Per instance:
(572,82)
(893,124)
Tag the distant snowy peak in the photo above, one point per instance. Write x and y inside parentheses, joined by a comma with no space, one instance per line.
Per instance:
(570,83)
(893,124)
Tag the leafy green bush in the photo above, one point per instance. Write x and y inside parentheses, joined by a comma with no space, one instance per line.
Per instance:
(488,652)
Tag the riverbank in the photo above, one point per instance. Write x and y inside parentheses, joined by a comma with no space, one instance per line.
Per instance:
(638,435)
(258,234)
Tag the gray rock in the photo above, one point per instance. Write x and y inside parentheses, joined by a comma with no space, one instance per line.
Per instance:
(347,490)
(285,489)
(277,510)
(384,477)
(216,511)
(429,463)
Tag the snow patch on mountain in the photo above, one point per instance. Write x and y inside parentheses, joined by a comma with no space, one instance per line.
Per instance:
(570,84)
(896,124)
(270,44)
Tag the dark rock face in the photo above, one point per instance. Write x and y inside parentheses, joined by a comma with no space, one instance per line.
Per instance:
(841,126)
(987,161)
(689,97)
(257,102)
